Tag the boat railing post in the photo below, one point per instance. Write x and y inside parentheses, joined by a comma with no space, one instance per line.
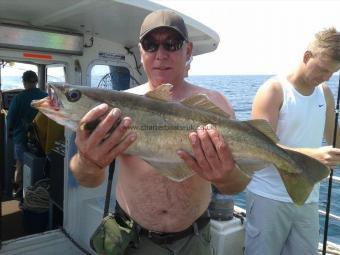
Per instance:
(330,181)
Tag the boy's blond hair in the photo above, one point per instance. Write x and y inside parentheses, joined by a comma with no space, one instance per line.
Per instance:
(326,42)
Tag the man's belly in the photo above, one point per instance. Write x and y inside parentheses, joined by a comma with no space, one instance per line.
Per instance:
(159,204)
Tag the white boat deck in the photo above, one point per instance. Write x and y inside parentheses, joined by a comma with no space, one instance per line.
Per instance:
(52,242)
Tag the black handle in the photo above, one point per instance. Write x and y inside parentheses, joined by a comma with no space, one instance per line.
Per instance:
(109,188)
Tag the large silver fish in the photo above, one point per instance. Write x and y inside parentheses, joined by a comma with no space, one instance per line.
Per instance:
(163,126)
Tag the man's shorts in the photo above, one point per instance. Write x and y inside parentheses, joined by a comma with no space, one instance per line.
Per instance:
(280,228)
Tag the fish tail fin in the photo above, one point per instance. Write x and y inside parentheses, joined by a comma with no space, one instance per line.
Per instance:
(300,185)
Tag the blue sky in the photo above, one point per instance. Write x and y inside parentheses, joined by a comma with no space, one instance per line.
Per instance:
(257,37)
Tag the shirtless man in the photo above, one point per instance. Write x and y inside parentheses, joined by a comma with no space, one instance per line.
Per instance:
(153,201)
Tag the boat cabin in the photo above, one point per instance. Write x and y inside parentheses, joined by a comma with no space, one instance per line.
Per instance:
(88,43)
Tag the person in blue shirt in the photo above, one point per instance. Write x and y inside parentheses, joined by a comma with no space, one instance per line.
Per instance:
(19,116)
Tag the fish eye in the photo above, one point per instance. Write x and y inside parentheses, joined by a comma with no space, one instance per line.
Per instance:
(73,95)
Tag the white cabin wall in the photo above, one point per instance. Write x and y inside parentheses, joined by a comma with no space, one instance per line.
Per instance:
(83,207)
(91,54)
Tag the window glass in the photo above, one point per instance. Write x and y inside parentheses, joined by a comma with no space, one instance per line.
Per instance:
(56,73)
(111,77)
(11,74)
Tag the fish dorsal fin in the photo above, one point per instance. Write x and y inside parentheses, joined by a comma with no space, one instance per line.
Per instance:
(264,127)
(202,101)
(162,92)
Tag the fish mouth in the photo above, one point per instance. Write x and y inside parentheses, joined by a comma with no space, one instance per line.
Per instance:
(41,103)
(49,107)
(44,105)
(50,103)
(54,101)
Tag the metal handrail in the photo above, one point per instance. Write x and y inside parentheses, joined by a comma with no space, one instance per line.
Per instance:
(332,216)
(336,179)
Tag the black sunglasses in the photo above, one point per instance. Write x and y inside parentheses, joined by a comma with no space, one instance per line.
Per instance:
(151,45)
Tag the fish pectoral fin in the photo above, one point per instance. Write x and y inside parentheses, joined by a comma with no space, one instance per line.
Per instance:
(202,101)
(162,92)
(264,127)
(300,185)
(174,171)
(249,166)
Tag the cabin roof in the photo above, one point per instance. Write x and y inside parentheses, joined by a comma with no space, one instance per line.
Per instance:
(117,21)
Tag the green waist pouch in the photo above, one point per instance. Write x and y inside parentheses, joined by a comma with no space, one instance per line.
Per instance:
(113,236)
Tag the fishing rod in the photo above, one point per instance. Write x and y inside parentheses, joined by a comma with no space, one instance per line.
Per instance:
(330,181)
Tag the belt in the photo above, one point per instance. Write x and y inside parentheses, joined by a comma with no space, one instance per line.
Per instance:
(168,238)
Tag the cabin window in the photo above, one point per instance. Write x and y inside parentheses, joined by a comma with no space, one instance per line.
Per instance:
(11,74)
(110,77)
(55,73)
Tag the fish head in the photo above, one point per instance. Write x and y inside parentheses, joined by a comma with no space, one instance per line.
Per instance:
(65,104)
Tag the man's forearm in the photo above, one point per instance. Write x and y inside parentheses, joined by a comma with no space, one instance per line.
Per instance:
(236,182)
(326,154)
(87,174)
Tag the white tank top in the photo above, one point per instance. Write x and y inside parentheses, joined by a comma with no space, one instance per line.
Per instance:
(301,124)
